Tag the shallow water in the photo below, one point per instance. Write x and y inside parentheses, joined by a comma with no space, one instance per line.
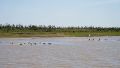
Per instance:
(56,40)
(63,52)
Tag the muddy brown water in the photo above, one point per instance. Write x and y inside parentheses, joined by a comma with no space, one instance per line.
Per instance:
(60,52)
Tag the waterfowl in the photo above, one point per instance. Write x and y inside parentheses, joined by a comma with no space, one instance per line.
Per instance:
(44,43)
(35,43)
(49,43)
(99,39)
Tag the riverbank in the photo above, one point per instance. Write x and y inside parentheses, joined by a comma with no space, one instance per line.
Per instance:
(57,34)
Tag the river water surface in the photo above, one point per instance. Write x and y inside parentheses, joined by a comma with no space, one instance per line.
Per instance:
(60,52)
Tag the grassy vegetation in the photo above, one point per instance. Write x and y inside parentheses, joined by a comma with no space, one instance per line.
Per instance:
(62,34)
(53,31)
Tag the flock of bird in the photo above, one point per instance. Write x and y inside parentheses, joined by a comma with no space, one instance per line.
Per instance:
(31,43)
(94,39)
(43,43)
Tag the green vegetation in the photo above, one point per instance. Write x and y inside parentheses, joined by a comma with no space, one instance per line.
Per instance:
(50,31)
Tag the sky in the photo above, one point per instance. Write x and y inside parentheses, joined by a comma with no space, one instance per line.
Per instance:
(99,13)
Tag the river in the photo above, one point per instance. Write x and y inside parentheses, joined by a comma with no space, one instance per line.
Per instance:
(60,52)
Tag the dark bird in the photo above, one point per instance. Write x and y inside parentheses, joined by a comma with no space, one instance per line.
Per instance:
(43,43)
(49,43)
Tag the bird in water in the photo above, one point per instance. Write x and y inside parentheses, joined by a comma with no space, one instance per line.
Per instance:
(89,38)
(49,43)
(44,43)
(35,43)
(20,44)
(99,39)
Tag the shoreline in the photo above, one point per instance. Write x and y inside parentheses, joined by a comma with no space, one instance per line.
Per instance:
(57,37)
(32,37)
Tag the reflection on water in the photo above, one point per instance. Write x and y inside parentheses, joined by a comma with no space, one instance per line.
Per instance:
(62,52)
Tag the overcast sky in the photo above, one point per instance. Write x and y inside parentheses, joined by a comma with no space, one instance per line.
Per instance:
(61,12)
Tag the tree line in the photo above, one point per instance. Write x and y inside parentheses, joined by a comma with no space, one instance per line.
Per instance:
(52,28)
